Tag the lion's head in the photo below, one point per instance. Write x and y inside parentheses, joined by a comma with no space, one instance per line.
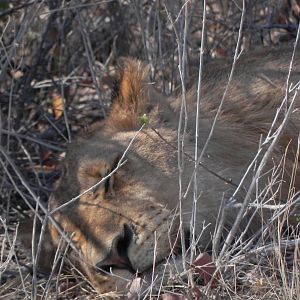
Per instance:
(130,221)
(123,222)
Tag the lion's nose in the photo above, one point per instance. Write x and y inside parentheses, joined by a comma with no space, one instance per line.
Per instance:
(118,255)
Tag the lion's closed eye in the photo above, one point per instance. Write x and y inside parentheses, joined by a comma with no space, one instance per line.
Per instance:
(94,171)
(110,182)
(90,173)
(102,174)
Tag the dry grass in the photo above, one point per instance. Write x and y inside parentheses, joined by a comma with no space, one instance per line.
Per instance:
(58,65)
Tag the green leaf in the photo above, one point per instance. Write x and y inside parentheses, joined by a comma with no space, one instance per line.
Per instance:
(144,119)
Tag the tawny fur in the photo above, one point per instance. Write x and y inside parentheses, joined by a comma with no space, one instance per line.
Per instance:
(144,193)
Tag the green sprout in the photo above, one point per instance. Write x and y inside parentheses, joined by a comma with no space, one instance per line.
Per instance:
(144,119)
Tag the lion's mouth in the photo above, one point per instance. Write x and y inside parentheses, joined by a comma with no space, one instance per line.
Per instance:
(118,255)
(118,262)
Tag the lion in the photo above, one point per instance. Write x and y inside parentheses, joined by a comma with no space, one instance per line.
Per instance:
(131,220)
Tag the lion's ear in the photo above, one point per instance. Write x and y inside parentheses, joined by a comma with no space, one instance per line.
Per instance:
(130,95)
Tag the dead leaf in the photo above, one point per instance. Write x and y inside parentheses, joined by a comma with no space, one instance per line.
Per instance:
(134,288)
(16,74)
(58,105)
(206,269)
